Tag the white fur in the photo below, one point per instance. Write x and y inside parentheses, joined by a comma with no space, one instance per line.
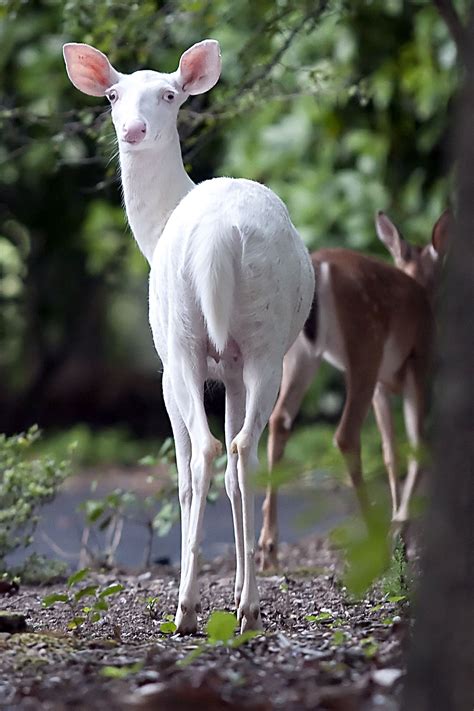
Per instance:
(231,285)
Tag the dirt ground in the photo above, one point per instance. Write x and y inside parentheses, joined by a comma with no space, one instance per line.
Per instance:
(350,660)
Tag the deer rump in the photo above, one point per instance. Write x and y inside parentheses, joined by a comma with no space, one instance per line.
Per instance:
(228,275)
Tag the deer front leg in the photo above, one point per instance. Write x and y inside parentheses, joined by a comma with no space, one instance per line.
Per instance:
(299,368)
(182,445)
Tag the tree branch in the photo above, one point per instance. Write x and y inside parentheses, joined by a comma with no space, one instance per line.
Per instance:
(453,22)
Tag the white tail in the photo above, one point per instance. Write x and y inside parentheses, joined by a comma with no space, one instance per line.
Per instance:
(373,322)
(214,277)
(231,285)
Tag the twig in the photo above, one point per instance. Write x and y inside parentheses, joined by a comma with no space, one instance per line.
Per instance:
(57,549)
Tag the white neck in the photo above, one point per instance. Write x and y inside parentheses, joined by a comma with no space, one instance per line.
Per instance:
(154,181)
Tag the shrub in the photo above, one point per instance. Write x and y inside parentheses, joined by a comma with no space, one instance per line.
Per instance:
(26,484)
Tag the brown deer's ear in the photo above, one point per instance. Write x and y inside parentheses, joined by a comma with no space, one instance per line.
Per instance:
(391,237)
(442,232)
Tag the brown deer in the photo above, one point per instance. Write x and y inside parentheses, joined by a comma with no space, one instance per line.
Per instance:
(374,322)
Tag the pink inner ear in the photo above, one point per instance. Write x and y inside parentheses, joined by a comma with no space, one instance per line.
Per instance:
(193,67)
(96,68)
(88,69)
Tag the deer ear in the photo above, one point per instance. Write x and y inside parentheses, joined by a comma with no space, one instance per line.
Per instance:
(442,230)
(391,237)
(88,69)
(199,67)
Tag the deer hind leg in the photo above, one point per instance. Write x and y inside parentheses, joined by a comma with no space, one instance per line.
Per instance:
(383,416)
(261,386)
(413,405)
(359,393)
(299,368)
(234,419)
(187,379)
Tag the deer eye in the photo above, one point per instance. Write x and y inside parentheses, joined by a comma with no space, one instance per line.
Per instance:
(112,96)
(169,96)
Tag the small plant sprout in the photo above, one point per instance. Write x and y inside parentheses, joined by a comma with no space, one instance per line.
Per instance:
(112,672)
(95,595)
(168,626)
(151,606)
(323,617)
(220,631)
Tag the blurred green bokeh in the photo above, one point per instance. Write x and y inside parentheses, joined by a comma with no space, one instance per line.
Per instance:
(341,111)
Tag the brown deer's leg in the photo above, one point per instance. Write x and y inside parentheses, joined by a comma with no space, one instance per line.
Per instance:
(360,385)
(299,368)
(413,406)
(383,416)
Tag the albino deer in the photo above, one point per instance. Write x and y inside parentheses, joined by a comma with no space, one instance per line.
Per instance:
(231,285)
(373,322)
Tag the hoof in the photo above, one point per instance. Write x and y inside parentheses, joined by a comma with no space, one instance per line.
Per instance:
(186,619)
(249,617)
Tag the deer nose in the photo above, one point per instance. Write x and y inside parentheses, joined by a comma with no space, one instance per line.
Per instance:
(134,131)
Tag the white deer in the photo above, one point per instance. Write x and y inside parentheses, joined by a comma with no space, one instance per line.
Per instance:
(374,322)
(231,285)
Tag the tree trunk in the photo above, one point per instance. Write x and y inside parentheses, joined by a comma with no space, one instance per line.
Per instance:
(441,660)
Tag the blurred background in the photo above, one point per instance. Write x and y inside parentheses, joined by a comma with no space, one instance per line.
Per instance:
(341,107)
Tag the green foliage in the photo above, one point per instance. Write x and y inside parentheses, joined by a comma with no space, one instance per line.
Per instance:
(107,514)
(26,484)
(396,580)
(39,570)
(168,627)
(341,112)
(366,549)
(97,603)
(124,672)
(151,606)
(220,629)
(95,448)
(320,617)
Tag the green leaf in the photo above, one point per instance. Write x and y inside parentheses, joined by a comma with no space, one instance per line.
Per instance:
(93,509)
(111,590)
(221,626)
(338,638)
(167,448)
(95,617)
(76,622)
(100,605)
(148,461)
(396,598)
(121,672)
(167,627)
(245,637)
(189,658)
(49,600)
(77,577)
(85,592)
(370,647)
(320,617)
